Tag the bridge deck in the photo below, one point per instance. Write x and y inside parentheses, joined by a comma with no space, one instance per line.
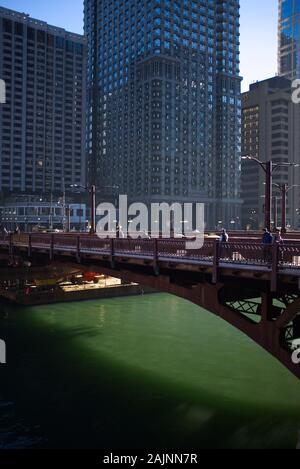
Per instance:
(241,257)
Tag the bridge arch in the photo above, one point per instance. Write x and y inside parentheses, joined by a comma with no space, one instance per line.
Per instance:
(279,317)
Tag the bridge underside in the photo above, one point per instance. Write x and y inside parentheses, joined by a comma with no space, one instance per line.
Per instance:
(245,301)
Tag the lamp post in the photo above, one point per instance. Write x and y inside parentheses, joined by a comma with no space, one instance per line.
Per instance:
(275,211)
(93,209)
(284,189)
(268,167)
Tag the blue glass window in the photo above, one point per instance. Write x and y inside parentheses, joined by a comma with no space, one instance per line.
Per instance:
(286,9)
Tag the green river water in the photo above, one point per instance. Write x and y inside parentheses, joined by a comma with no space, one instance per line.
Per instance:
(151,371)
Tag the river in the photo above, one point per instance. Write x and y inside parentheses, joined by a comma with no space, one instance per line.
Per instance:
(152,371)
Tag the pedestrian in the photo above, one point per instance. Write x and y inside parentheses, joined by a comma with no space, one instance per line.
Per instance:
(267,243)
(121,233)
(277,239)
(224,238)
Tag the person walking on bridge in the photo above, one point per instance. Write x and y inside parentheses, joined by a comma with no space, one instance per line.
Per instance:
(267,243)
(277,239)
(224,238)
(267,237)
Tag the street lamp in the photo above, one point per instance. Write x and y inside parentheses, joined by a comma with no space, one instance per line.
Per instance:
(268,167)
(275,209)
(284,189)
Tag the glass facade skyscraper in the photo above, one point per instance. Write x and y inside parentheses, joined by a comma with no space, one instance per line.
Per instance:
(289,39)
(164,101)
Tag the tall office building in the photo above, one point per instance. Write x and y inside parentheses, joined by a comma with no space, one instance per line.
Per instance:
(270,131)
(289,38)
(164,102)
(42,123)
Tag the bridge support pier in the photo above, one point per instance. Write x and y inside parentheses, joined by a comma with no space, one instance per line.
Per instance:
(266,307)
(215,274)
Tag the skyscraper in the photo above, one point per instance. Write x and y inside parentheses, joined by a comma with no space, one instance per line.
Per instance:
(270,131)
(289,38)
(164,102)
(42,123)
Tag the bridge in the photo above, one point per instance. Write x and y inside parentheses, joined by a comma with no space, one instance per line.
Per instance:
(253,287)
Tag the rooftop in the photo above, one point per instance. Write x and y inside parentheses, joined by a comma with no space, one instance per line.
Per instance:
(25,18)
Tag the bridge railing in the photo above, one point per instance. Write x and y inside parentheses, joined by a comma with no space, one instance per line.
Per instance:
(16,238)
(289,256)
(245,253)
(177,249)
(61,241)
(95,244)
(285,256)
(140,247)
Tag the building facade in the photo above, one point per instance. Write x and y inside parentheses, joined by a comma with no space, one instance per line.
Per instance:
(289,38)
(164,111)
(42,122)
(270,131)
(30,214)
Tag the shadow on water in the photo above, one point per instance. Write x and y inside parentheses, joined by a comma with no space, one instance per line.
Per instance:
(72,397)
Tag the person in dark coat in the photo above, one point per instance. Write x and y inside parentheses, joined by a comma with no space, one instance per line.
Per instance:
(267,243)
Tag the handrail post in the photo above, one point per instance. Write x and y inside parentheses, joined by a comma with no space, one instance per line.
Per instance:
(11,248)
(216,262)
(155,256)
(52,247)
(29,245)
(78,249)
(112,253)
(275,266)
